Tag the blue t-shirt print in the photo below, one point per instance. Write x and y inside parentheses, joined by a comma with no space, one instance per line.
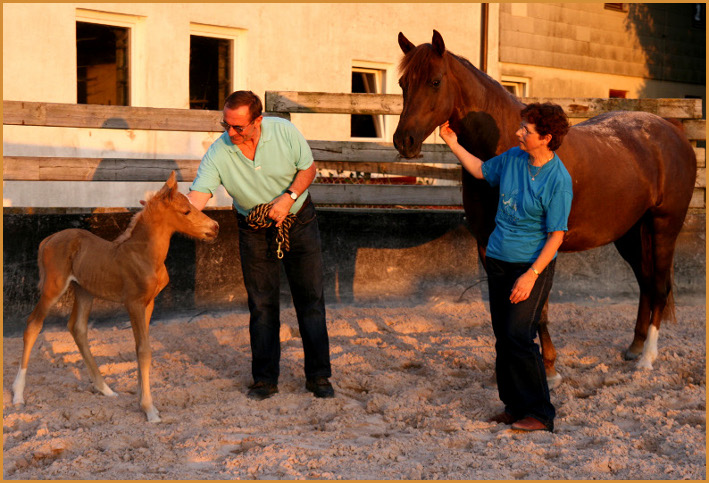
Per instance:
(508,206)
(527,209)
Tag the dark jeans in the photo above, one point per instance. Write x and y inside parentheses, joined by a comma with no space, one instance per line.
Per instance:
(304,269)
(521,379)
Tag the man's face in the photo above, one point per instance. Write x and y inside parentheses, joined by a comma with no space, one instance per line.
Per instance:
(239,119)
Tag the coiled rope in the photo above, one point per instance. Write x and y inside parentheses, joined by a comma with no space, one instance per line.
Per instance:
(258,218)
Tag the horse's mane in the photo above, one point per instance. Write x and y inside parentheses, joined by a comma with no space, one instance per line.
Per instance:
(131,226)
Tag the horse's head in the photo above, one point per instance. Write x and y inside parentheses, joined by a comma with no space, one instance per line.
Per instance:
(179,214)
(428,93)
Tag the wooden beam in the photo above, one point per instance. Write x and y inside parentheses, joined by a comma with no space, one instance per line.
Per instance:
(695,129)
(359,194)
(395,169)
(35,168)
(392,104)
(109,117)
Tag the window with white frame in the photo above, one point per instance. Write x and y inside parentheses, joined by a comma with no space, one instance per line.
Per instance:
(110,58)
(519,86)
(102,64)
(210,72)
(367,81)
(216,64)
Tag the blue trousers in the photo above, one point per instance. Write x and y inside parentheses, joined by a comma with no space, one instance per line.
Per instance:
(521,378)
(304,268)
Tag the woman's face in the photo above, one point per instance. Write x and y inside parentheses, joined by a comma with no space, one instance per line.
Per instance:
(529,138)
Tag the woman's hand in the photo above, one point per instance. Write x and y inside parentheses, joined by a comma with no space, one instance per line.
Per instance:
(448,135)
(523,287)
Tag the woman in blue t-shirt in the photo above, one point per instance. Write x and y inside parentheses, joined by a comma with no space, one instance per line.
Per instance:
(532,215)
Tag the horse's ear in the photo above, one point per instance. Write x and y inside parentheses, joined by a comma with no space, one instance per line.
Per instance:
(170,187)
(405,44)
(438,44)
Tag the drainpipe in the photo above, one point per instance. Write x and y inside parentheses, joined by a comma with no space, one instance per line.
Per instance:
(484,17)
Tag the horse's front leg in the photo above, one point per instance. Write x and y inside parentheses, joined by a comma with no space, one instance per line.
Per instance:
(548,350)
(140,320)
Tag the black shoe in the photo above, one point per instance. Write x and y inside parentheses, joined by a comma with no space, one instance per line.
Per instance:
(320,386)
(261,390)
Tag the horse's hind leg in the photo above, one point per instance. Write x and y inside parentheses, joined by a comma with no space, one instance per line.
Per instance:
(664,235)
(53,285)
(634,247)
(78,326)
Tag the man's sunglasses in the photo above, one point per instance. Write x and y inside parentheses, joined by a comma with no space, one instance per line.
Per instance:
(238,129)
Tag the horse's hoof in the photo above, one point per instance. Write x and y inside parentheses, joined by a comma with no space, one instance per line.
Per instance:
(106,391)
(644,364)
(554,381)
(153,416)
(630,355)
(18,400)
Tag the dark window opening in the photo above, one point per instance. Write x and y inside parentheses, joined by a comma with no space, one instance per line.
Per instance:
(210,72)
(618,7)
(365,125)
(102,64)
(617,93)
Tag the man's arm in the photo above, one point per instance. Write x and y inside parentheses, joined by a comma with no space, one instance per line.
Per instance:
(282,204)
(198,199)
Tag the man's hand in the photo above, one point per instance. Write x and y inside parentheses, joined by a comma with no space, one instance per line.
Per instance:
(280,209)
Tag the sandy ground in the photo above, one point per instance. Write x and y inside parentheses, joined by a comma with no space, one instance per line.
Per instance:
(411,401)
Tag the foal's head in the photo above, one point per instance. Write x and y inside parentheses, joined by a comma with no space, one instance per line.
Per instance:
(175,210)
(428,93)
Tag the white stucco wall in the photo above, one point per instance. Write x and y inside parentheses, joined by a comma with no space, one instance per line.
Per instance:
(290,46)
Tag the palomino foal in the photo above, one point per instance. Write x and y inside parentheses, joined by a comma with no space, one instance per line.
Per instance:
(130,269)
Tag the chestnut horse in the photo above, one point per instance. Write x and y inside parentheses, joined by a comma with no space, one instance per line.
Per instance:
(130,269)
(633,175)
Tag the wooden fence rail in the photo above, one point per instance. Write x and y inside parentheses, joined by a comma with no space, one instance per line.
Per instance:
(370,157)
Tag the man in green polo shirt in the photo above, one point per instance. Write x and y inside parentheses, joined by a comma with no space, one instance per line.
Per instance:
(261,160)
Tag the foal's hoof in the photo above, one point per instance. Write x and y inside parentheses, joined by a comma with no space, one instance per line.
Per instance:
(18,400)
(153,416)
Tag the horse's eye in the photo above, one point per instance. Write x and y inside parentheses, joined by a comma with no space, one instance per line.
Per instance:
(186,212)
(436,83)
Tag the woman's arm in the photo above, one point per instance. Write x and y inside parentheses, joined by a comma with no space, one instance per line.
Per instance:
(524,284)
(471,163)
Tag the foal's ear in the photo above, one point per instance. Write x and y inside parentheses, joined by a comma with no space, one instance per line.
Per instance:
(405,44)
(438,44)
(170,187)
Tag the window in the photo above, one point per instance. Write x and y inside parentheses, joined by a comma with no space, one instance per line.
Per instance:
(519,86)
(102,64)
(618,7)
(367,81)
(617,93)
(210,72)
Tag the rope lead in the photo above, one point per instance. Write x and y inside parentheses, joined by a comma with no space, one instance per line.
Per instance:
(258,218)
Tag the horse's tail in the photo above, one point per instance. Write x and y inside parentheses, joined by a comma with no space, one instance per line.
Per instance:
(668,313)
(40,264)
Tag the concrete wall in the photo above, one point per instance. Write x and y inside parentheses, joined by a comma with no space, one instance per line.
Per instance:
(387,256)
(583,49)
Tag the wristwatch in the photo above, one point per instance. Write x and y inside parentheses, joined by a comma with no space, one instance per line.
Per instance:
(293,194)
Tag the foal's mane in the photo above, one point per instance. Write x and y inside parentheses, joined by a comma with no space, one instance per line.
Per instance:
(131,226)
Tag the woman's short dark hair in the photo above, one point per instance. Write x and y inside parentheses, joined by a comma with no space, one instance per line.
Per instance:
(245,98)
(548,118)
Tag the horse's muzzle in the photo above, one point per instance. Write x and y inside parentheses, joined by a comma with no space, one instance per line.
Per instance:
(406,145)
